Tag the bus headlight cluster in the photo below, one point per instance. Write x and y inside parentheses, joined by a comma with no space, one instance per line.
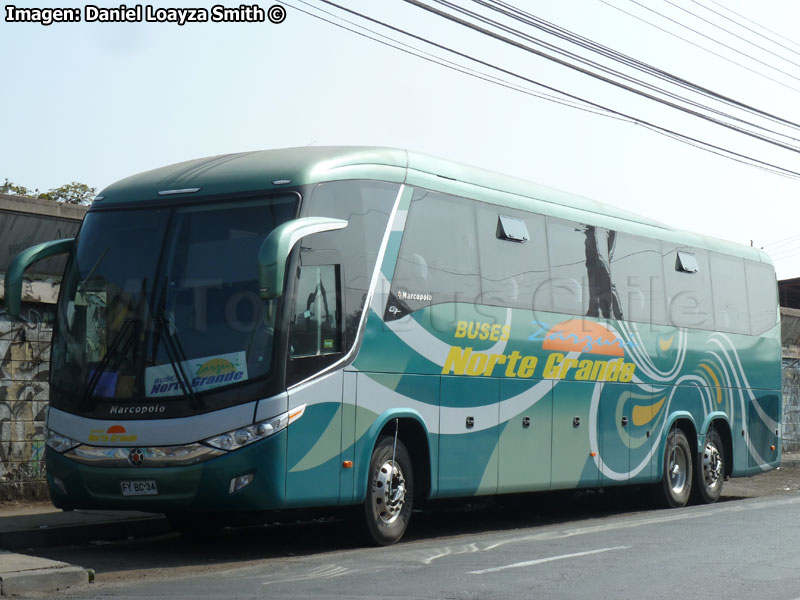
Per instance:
(238,438)
(60,443)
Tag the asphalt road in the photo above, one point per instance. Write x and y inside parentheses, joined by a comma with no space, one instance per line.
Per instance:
(607,545)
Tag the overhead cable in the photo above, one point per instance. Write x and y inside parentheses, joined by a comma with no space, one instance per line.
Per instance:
(714,149)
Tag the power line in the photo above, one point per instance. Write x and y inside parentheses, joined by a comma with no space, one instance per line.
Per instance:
(785,257)
(585,43)
(776,34)
(714,149)
(795,247)
(731,48)
(703,48)
(720,27)
(588,72)
(750,29)
(780,242)
(416,52)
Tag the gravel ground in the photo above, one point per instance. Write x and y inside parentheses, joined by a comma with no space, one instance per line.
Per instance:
(784,480)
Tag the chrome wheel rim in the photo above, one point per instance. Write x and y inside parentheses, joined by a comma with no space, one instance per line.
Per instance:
(677,469)
(712,466)
(389,491)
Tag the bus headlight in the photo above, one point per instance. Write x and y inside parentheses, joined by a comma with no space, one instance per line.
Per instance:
(238,438)
(60,443)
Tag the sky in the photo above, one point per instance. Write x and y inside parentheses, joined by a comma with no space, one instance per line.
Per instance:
(96,102)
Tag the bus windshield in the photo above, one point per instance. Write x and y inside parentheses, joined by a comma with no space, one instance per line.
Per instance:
(164,302)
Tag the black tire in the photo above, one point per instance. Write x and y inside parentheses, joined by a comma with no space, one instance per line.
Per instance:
(675,487)
(710,470)
(385,514)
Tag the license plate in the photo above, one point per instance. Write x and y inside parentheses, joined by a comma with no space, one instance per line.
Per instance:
(141,487)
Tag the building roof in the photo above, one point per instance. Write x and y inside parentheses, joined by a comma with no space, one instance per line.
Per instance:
(789,293)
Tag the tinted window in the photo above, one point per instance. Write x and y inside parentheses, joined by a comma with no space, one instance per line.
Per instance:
(688,294)
(315,318)
(636,278)
(438,260)
(730,293)
(580,269)
(366,206)
(513,273)
(762,296)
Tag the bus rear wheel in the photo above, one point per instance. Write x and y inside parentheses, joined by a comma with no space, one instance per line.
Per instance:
(386,512)
(710,469)
(676,483)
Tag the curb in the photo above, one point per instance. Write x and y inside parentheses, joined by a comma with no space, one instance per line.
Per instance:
(33,574)
(64,535)
(43,580)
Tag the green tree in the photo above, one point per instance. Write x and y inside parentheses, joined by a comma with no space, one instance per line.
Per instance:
(69,193)
(9,187)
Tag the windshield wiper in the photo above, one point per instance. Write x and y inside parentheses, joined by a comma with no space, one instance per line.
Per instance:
(175,352)
(111,352)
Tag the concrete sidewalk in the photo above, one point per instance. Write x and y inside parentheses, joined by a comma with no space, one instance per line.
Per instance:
(39,524)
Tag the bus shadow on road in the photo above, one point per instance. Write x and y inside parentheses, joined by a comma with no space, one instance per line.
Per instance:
(237,547)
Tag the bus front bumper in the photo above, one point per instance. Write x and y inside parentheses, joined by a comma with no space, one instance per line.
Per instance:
(209,486)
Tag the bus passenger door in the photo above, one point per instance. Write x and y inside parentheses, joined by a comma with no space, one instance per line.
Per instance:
(468,417)
(526,414)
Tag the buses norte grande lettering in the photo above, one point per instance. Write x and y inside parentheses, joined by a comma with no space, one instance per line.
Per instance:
(463,361)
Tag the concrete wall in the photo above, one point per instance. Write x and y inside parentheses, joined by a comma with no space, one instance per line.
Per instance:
(24,392)
(790,333)
(25,344)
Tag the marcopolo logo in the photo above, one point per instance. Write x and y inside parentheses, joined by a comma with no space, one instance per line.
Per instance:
(115,433)
(139,409)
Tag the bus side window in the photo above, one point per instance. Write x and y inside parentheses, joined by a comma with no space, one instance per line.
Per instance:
(730,293)
(365,205)
(438,258)
(636,279)
(576,284)
(513,258)
(762,296)
(688,292)
(316,316)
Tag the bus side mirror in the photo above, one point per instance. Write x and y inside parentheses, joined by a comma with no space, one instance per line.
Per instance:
(23,260)
(278,245)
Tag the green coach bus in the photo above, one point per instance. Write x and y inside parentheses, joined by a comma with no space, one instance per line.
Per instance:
(369,328)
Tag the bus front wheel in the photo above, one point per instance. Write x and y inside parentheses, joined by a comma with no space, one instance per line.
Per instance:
(676,483)
(390,493)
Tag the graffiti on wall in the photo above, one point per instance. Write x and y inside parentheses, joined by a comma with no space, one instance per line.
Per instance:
(24,355)
(791,405)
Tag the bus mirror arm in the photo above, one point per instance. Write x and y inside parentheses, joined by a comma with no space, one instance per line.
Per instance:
(276,249)
(23,260)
